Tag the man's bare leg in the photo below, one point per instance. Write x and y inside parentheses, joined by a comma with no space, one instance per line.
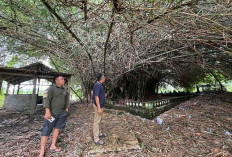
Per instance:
(54,139)
(44,141)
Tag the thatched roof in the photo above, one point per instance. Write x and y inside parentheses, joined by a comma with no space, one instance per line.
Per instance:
(26,73)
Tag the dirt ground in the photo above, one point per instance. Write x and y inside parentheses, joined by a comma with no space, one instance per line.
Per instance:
(201,126)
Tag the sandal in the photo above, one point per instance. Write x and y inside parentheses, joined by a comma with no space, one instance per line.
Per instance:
(56,149)
(99,142)
(103,135)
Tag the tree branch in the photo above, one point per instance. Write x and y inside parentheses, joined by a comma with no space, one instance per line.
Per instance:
(107,40)
(68,29)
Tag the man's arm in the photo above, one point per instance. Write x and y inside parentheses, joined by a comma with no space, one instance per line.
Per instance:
(98,104)
(67,101)
(48,114)
(47,103)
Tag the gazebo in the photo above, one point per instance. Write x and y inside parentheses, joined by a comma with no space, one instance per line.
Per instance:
(16,76)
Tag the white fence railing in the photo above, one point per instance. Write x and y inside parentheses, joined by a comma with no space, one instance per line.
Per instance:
(150,109)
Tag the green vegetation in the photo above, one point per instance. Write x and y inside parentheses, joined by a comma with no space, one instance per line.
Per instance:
(2,96)
(228,85)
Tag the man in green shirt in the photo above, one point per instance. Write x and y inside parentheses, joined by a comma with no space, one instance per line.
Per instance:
(56,112)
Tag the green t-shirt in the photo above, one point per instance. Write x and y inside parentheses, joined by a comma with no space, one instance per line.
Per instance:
(56,99)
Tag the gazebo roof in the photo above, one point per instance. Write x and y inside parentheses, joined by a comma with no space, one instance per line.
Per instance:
(26,73)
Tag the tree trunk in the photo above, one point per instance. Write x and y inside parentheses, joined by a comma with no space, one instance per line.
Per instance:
(1,86)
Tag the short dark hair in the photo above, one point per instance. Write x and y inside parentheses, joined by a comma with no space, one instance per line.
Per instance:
(57,77)
(99,76)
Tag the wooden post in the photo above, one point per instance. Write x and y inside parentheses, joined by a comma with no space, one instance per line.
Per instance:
(34,99)
(18,89)
(7,91)
(7,88)
(69,83)
(13,90)
(38,86)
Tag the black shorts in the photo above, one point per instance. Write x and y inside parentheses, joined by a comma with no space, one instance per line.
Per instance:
(58,123)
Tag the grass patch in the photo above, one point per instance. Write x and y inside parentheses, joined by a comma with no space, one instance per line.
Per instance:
(2,96)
